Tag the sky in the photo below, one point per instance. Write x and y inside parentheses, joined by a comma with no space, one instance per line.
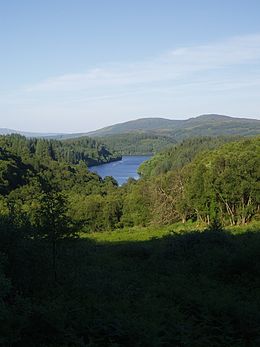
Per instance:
(80,65)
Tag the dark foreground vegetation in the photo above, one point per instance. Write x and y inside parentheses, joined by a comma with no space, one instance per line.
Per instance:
(193,289)
(59,287)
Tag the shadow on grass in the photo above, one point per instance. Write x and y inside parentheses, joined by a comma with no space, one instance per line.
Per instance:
(194,289)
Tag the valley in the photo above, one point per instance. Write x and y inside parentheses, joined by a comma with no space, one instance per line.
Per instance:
(89,257)
(130,173)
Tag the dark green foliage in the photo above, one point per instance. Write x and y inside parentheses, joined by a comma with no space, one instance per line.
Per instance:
(13,172)
(188,182)
(226,182)
(137,143)
(96,212)
(181,154)
(215,225)
(193,289)
(136,205)
(90,151)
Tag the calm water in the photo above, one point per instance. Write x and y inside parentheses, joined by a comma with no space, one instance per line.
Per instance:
(121,170)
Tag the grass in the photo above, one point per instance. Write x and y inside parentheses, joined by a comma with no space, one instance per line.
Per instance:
(137,234)
(239,229)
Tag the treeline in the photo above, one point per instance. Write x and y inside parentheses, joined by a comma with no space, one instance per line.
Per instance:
(201,185)
(32,168)
(137,143)
(181,154)
(90,151)
(219,184)
(194,184)
(22,183)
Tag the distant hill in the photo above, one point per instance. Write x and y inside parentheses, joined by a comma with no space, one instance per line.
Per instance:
(6,131)
(210,124)
(137,143)
(141,125)
(151,135)
(161,130)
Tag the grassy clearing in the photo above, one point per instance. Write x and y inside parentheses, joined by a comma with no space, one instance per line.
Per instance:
(239,229)
(136,234)
(125,235)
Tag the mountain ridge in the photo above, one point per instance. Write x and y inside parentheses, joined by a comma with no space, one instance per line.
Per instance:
(211,124)
(171,127)
(8,131)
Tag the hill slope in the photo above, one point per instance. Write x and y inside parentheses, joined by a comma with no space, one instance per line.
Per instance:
(151,135)
(137,143)
(142,124)
(176,156)
(90,151)
(210,123)
(6,131)
(202,125)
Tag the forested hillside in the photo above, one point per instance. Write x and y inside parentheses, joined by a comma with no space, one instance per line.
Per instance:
(152,135)
(195,184)
(200,179)
(63,284)
(90,151)
(137,143)
(209,125)
(6,131)
(182,153)
(140,137)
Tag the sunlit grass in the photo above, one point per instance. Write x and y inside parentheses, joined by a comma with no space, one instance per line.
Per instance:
(128,234)
(237,229)
(136,234)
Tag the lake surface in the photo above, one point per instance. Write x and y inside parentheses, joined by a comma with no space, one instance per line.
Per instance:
(121,170)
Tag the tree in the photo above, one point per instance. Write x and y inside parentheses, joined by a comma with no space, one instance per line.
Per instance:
(53,222)
(168,198)
(136,204)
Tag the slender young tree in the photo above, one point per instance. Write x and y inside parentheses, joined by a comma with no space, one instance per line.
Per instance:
(55,224)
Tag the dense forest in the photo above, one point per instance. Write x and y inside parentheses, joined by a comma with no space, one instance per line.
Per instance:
(90,151)
(60,287)
(152,135)
(137,143)
(182,153)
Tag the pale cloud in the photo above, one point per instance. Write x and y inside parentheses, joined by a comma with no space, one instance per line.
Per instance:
(220,77)
(176,65)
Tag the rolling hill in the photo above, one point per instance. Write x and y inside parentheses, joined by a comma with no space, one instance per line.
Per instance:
(150,135)
(210,124)
(6,131)
(138,125)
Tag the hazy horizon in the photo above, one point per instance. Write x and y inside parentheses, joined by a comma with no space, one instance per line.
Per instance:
(50,132)
(71,67)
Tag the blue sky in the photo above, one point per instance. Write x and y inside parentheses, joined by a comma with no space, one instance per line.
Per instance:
(78,65)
